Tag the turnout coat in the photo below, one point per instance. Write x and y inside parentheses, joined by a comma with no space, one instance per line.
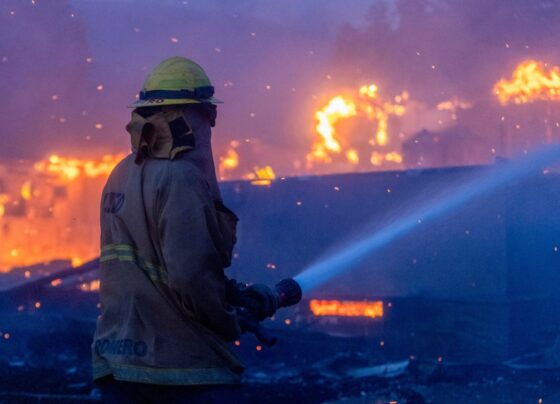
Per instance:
(164,245)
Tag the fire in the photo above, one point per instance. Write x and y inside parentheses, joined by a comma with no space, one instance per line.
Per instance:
(49,209)
(346,308)
(352,156)
(531,81)
(262,176)
(367,103)
(230,167)
(230,161)
(336,109)
(26,190)
(394,157)
(72,168)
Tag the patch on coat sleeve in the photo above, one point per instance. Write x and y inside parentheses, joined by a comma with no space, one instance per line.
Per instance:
(113,202)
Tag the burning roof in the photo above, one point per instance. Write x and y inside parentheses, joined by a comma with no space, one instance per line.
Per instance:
(530,82)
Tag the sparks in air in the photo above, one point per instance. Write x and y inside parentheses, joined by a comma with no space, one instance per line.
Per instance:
(366,103)
(531,81)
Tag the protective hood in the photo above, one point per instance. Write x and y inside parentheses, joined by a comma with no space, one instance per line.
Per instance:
(201,155)
(160,135)
(167,133)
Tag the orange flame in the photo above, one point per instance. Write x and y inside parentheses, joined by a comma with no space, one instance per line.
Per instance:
(327,117)
(262,176)
(49,208)
(72,168)
(346,308)
(230,161)
(367,103)
(531,81)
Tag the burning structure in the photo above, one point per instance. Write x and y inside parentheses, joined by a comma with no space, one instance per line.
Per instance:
(48,210)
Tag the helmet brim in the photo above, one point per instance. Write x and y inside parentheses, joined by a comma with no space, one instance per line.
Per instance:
(154,102)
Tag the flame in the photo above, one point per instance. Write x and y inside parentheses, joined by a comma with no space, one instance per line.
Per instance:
(346,308)
(367,103)
(352,156)
(230,161)
(72,168)
(229,167)
(48,211)
(531,81)
(378,110)
(4,199)
(26,190)
(262,176)
(327,117)
(394,157)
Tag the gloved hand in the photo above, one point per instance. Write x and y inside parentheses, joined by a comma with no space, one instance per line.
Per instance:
(260,300)
(248,323)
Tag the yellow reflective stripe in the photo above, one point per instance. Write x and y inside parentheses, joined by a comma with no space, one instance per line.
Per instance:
(127,253)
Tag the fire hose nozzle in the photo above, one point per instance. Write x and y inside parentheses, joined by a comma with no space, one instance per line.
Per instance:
(289,292)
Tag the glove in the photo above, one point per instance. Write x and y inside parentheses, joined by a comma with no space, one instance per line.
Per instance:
(260,300)
(248,323)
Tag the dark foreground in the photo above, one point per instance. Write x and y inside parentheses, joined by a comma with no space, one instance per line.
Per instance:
(303,367)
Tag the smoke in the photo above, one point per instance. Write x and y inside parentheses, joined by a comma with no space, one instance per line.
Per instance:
(449,47)
(42,52)
(69,68)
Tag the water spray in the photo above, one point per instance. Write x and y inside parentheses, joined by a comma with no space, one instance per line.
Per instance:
(346,259)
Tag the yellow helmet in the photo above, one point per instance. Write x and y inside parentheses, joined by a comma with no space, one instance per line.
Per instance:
(175,81)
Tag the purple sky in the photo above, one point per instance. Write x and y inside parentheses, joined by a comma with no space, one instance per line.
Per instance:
(291,46)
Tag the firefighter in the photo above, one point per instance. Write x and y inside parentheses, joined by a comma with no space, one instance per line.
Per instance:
(166,237)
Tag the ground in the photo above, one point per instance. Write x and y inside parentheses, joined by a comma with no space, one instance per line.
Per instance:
(303,367)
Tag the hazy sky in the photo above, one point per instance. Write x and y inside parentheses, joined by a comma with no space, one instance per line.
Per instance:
(70,67)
